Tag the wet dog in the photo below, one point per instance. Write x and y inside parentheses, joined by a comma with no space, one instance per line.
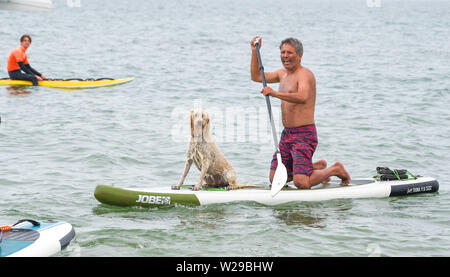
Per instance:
(215,170)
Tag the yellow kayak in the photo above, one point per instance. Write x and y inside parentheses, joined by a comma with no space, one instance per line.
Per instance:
(70,83)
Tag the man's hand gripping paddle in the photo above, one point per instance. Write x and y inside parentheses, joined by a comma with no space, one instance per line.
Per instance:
(280,177)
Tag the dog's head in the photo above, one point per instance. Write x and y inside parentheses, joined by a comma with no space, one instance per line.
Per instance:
(199,124)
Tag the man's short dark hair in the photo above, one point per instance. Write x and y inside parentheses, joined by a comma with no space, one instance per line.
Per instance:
(25,36)
(294,42)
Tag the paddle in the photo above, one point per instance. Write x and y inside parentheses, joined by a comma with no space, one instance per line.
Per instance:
(280,177)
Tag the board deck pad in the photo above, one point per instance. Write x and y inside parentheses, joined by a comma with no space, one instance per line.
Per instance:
(15,240)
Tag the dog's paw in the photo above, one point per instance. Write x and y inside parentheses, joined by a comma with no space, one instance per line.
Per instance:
(231,187)
(175,187)
(195,188)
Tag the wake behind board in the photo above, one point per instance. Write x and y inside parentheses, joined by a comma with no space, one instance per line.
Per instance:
(29,238)
(70,83)
(366,188)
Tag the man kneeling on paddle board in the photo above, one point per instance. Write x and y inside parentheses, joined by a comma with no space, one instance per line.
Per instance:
(18,62)
(297,92)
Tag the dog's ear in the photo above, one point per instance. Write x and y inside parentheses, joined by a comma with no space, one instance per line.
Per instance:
(191,115)
(205,117)
(191,119)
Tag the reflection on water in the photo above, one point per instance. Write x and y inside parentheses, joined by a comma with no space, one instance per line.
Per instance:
(17,90)
(312,214)
(295,217)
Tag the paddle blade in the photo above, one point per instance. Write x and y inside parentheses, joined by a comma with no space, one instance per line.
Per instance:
(280,178)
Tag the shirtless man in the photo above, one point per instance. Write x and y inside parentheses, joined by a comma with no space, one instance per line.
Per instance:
(299,138)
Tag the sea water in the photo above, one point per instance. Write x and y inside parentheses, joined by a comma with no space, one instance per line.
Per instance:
(382,71)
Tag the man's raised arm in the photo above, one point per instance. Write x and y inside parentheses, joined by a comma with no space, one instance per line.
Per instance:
(271,77)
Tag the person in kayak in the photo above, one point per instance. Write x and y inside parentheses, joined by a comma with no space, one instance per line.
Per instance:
(18,62)
(298,142)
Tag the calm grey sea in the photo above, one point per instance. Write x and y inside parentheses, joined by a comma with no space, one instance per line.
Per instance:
(382,70)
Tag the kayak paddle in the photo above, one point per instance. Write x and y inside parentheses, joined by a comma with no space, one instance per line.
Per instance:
(280,177)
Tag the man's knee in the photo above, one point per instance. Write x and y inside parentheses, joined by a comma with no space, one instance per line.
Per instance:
(302,182)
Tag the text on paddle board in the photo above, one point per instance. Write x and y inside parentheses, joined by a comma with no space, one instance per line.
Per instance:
(419,189)
(153,199)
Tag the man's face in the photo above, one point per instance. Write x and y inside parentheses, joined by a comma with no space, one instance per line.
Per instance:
(289,58)
(25,42)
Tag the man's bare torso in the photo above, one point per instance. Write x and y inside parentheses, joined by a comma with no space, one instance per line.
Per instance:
(297,114)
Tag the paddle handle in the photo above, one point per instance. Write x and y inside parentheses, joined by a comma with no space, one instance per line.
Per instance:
(269,106)
(6,228)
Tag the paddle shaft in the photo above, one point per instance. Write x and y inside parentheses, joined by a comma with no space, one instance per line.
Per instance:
(269,106)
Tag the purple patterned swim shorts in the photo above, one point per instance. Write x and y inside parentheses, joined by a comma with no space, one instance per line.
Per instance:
(297,146)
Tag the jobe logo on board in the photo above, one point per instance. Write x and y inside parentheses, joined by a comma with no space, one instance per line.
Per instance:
(152,199)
